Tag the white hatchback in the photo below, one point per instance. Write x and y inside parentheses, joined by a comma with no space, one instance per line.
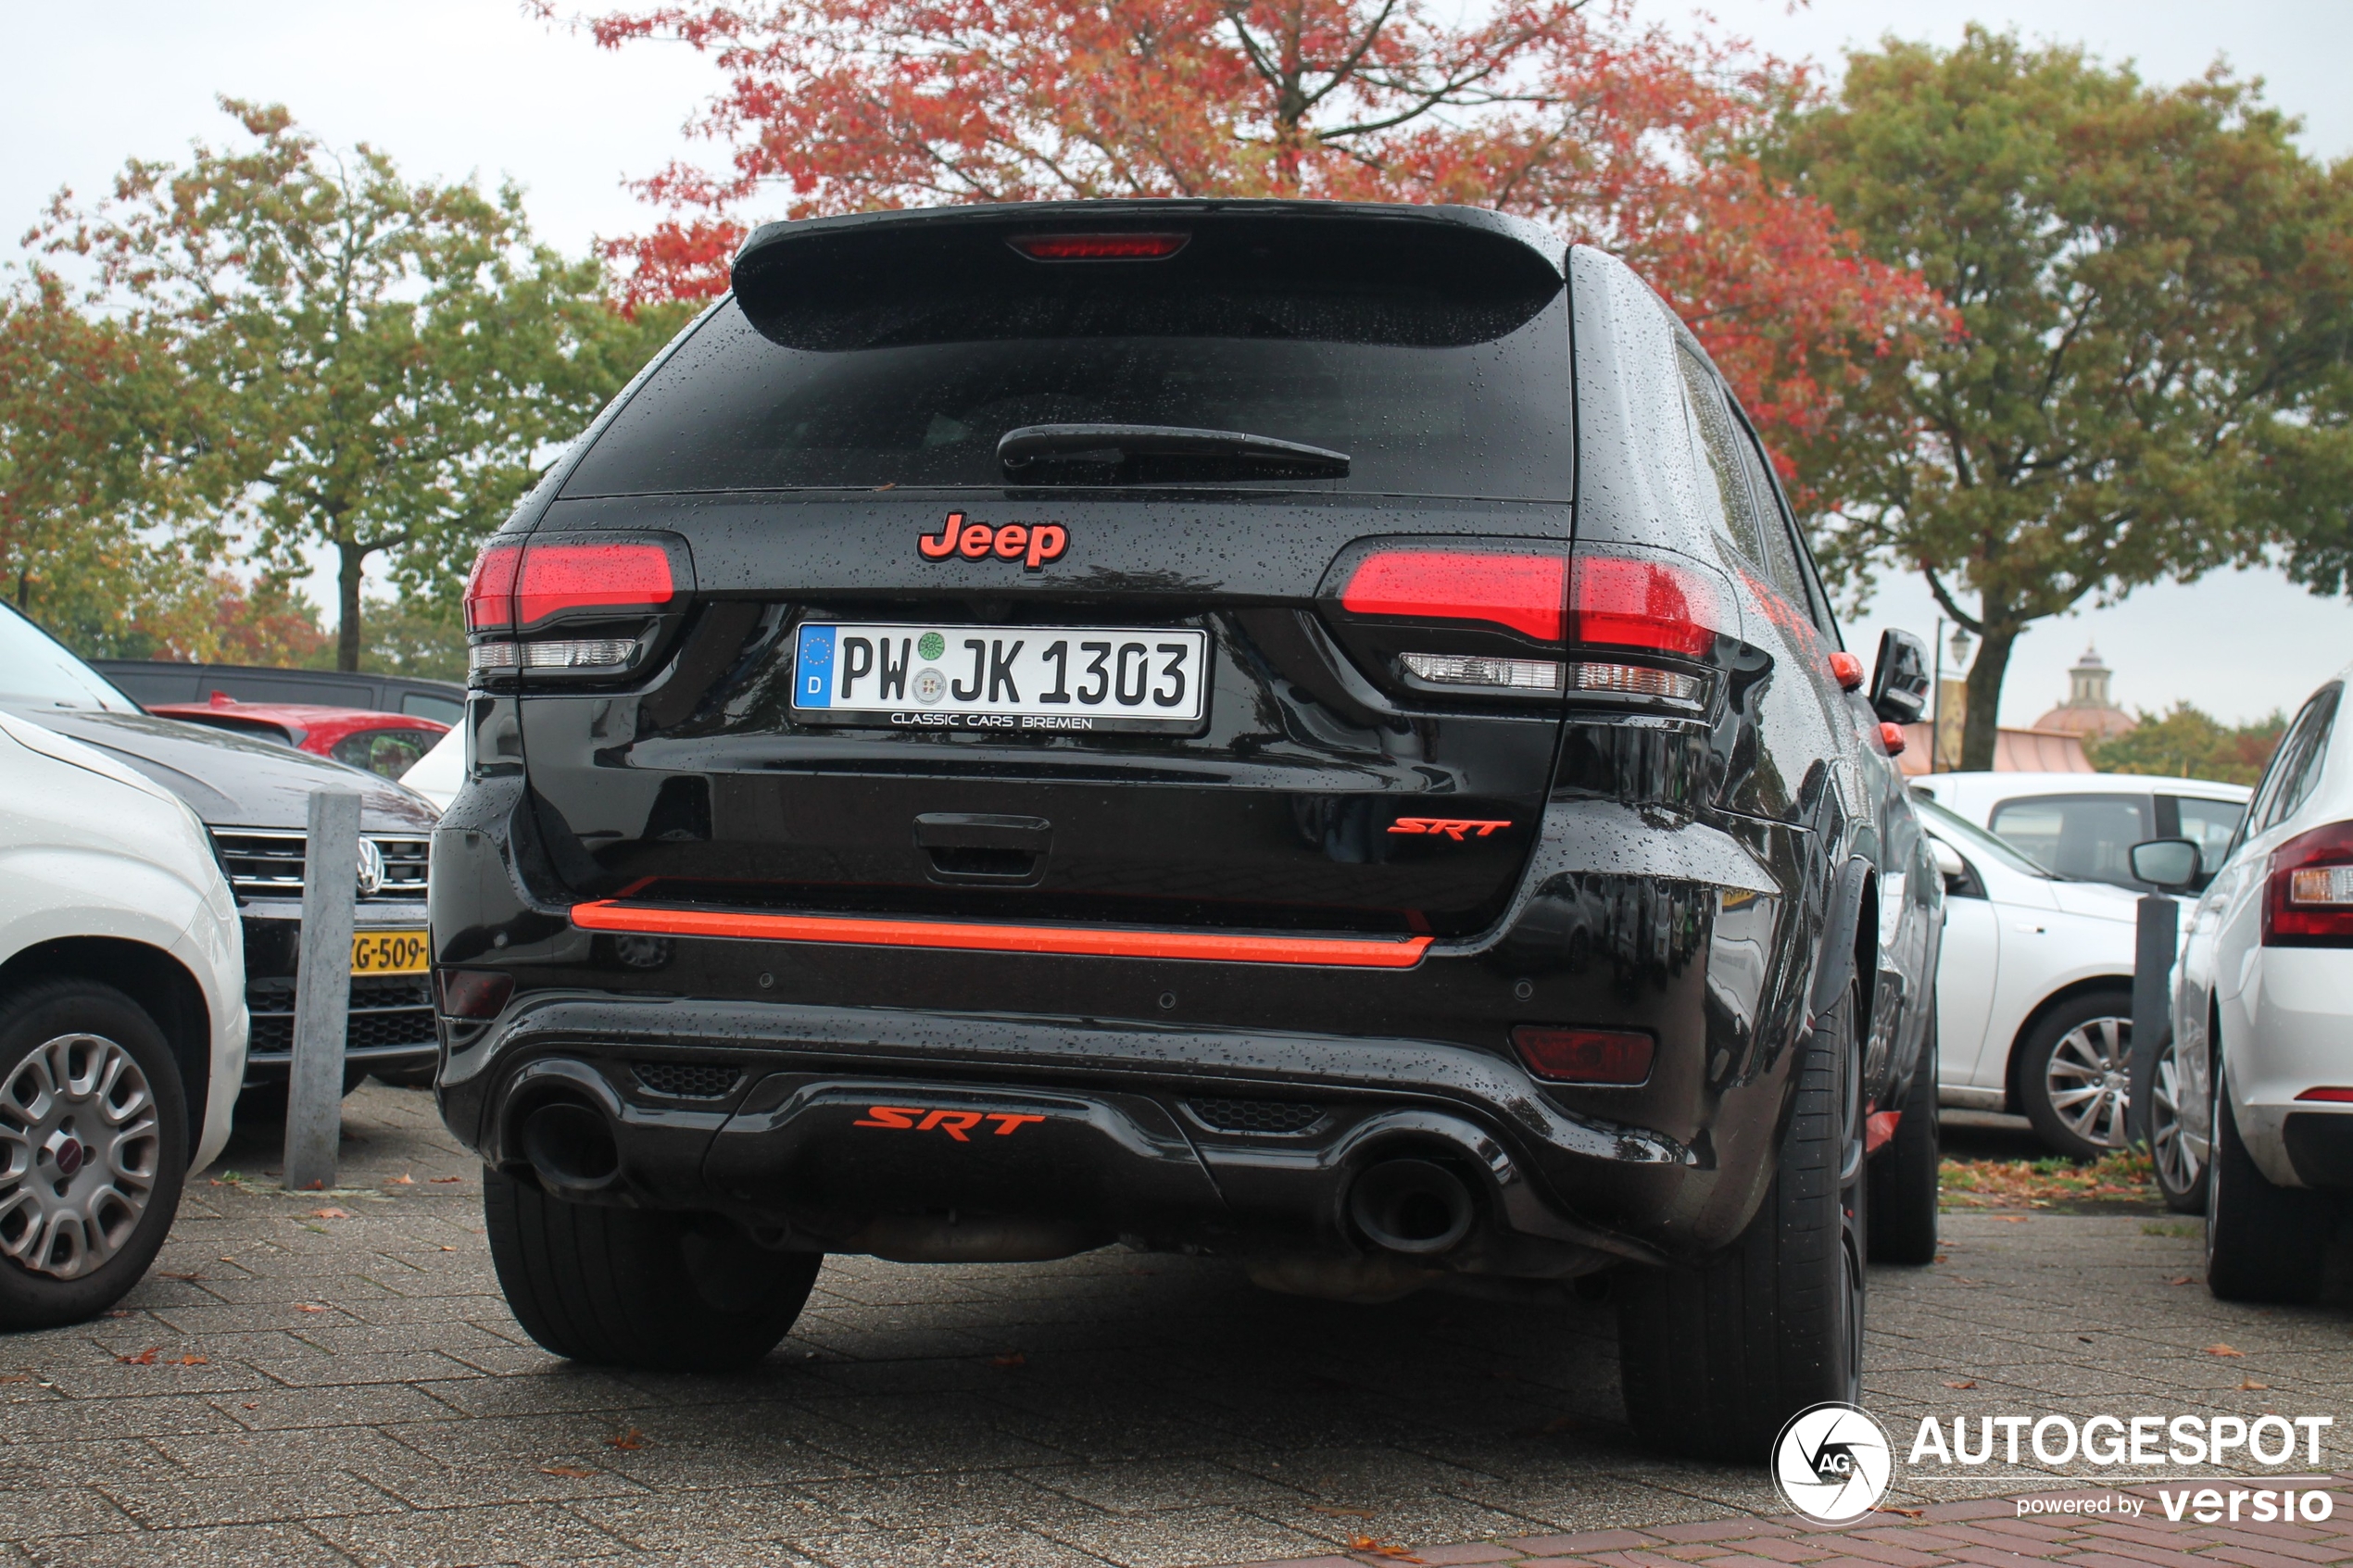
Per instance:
(2253,1109)
(2084,826)
(122,1021)
(2033,990)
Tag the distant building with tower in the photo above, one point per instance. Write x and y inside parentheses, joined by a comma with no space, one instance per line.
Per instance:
(2054,743)
(2087,710)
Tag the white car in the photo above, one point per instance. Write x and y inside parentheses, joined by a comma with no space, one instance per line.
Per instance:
(2253,1109)
(440,772)
(2033,990)
(122,1021)
(2084,826)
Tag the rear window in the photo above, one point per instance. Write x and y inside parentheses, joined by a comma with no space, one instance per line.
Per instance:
(1436,358)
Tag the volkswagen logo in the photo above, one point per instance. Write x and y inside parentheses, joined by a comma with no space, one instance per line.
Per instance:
(1831,1463)
(371,869)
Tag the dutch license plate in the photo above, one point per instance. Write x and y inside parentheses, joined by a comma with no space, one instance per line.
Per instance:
(387,952)
(1033,679)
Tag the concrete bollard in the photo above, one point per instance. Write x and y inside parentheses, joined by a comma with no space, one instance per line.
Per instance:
(322,989)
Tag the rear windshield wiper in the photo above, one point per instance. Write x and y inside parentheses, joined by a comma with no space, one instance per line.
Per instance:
(1030,450)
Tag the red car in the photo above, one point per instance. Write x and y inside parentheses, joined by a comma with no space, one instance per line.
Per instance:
(382,743)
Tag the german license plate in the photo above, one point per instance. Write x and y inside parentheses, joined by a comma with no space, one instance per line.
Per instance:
(387,952)
(1016,679)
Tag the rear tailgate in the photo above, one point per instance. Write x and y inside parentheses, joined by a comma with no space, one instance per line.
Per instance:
(1137,689)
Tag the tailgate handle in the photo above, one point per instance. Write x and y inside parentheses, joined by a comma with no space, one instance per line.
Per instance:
(974,830)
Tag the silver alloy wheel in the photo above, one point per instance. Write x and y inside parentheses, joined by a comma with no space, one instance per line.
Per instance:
(2178,1162)
(80,1148)
(2085,1080)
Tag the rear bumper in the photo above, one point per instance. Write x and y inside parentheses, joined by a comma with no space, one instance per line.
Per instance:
(2290,1030)
(839,1129)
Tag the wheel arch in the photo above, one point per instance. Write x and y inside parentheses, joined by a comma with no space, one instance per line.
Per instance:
(2088,985)
(154,979)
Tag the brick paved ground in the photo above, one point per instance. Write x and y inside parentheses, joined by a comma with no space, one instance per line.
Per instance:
(346,1387)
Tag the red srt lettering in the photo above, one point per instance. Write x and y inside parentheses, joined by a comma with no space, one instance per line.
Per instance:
(1453,827)
(956,1124)
(1033,544)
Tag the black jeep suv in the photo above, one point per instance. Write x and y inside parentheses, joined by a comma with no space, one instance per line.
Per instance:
(1294,731)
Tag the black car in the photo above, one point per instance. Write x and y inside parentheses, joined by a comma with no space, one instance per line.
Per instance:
(1294,730)
(254,796)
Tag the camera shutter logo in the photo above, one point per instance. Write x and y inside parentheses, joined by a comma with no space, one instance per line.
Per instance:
(1831,1463)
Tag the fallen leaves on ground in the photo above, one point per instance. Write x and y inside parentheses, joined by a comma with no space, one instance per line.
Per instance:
(1009,1359)
(308,1307)
(439,1179)
(2223,1350)
(2038,1183)
(184,1279)
(2249,1386)
(16,1377)
(1907,1512)
(145,1357)
(631,1439)
(400,1180)
(254,1405)
(1970,1383)
(2185,1279)
(1338,1512)
(573,1471)
(330,1214)
(189,1360)
(1382,1548)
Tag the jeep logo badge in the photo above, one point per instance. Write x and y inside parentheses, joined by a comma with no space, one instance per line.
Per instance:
(1033,544)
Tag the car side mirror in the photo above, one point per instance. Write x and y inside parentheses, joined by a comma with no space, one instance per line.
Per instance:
(1948,860)
(1899,685)
(2168,864)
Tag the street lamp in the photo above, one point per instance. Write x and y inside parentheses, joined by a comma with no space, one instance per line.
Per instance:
(1961,644)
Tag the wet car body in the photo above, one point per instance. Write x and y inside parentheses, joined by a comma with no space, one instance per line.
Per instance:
(973,992)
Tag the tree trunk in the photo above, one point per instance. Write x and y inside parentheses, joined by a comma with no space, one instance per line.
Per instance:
(347,581)
(1977,732)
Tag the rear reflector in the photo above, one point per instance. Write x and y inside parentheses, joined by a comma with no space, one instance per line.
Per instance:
(2331,1095)
(1074,941)
(1543,676)
(472,993)
(1099,248)
(1617,1057)
(524,584)
(1621,601)
(1524,592)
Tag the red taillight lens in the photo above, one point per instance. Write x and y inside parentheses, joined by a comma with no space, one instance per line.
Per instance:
(615,576)
(1616,1057)
(2308,902)
(473,993)
(490,589)
(2331,1095)
(1621,601)
(1526,593)
(1848,671)
(1099,248)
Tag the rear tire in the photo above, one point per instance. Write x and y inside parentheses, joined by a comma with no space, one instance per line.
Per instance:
(1716,1356)
(1904,1172)
(102,1114)
(2263,1242)
(661,1292)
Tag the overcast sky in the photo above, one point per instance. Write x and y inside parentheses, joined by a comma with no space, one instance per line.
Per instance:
(453,87)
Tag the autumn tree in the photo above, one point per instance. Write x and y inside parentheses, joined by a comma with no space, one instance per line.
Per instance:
(1555,109)
(2151,283)
(373,366)
(2188,743)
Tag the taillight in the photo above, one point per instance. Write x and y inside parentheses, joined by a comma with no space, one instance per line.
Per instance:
(490,588)
(2308,902)
(2331,1094)
(1524,592)
(1627,601)
(472,993)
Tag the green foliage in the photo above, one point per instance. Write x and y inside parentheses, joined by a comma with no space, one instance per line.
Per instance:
(409,636)
(2152,286)
(2188,743)
(362,364)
